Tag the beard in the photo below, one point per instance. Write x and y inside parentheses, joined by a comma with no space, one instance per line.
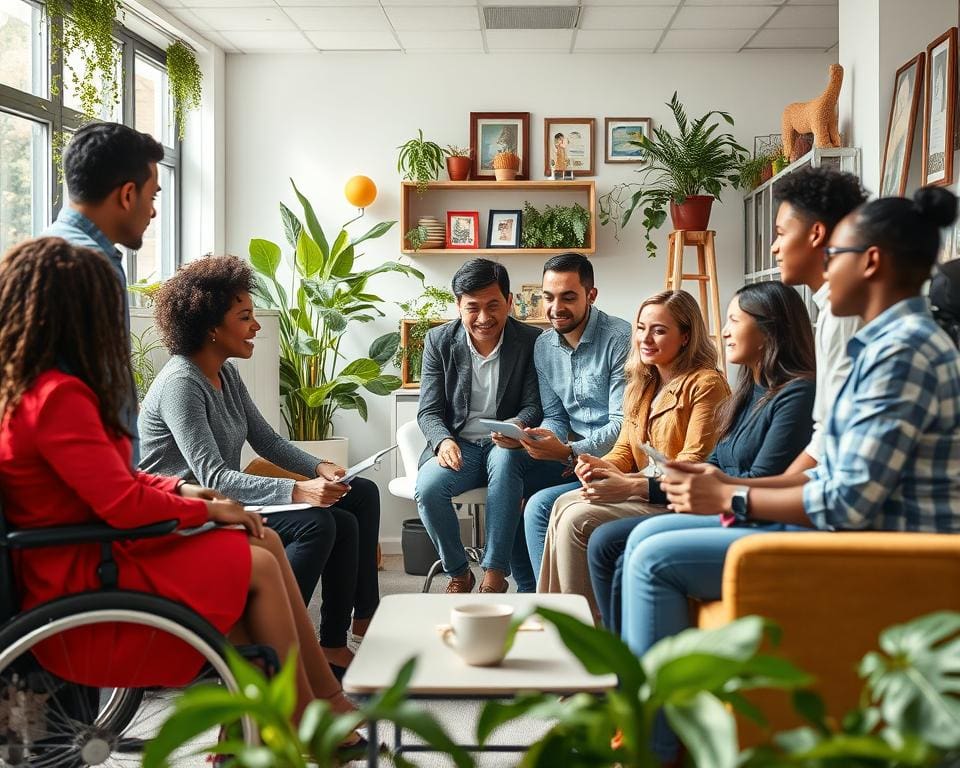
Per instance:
(567,323)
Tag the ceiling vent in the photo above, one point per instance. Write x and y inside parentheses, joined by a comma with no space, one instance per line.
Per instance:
(531,16)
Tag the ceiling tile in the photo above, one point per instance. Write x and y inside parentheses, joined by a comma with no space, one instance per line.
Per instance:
(770,3)
(340,3)
(253,19)
(434,17)
(631,3)
(728,17)
(529,2)
(170,3)
(529,39)
(463,41)
(191,19)
(705,39)
(353,40)
(227,3)
(328,18)
(822,16)
(626,17)
(217,39)
(617,40)
(268,42)
(814,2)
(441,3)
(795,38)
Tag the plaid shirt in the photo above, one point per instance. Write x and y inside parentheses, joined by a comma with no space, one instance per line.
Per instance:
(891,457)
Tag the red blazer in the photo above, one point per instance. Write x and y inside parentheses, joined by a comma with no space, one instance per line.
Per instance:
(59,466)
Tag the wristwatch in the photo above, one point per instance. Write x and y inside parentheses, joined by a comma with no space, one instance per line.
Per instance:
(572,458)
(739,504)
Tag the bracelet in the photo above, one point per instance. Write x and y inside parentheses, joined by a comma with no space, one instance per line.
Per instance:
(326,461)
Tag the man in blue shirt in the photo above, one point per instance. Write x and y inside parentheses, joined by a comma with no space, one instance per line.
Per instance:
(580,368)
(111,175)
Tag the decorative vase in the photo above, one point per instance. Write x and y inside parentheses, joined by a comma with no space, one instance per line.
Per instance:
(458,167)
(506,165)
(693,213)
(335,449)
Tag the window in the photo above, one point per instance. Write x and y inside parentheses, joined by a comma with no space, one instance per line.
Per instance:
(35,119)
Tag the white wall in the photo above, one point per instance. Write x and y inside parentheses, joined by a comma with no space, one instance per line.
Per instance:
(322,119)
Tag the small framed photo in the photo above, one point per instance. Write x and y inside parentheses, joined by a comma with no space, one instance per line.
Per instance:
(503,229)
(495,132)
(620,142)
(940,102)
(463,229)
(907,84)
(568,146)
(528,304)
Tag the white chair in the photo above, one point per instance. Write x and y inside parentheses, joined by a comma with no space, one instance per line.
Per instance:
(411,442)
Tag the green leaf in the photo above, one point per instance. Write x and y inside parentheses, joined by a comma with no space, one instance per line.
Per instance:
(737,641)
(282,695)
(383,385)
(313,225)
(384,348)
(352,402)
(343,263)
(333,320)
(707,730)
(291,226)
(309,258)
(811,708)
(527,705)
(378,230)
(363,368)
(265,257)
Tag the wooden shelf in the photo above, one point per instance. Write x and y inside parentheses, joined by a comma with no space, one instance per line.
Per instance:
(442,196)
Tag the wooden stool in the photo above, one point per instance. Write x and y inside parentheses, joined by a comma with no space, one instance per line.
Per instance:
(706,275)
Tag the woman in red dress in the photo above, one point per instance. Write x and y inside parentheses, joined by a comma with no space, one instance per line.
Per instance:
(65,459)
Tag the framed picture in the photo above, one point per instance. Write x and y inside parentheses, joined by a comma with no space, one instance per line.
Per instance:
(463,229)
(528,304)
(568,146)
(938,107)
(621,134)
(493,132)
(503,229)
(948,244)
(907,85)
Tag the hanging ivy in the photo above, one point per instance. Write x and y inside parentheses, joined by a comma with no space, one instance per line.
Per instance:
(88,31)
(186,82)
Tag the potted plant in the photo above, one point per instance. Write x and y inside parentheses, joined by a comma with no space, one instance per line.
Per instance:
(420,161)
(419,316)
(458,162)
(557,226)
(506,165)
(687,170)
(327,294)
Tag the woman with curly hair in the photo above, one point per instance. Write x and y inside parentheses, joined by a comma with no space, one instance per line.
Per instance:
(196,417)
(65,460)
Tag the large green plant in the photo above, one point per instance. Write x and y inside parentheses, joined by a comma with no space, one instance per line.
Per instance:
(270,705)
(327,294)
(696,160)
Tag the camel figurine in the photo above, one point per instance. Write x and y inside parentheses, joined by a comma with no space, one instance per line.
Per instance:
(818,116)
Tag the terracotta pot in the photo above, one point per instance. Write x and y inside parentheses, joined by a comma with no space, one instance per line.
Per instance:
(693,213)
(767,173)
(458,168)
(505,174)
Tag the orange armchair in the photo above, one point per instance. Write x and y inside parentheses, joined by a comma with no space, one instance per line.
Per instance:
(832,594)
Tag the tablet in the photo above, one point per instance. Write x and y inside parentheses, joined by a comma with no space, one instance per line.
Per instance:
(507,429)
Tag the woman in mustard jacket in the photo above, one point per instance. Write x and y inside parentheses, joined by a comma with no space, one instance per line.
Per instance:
(674,391)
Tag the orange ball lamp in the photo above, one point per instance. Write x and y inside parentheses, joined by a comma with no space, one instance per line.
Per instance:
(360,191)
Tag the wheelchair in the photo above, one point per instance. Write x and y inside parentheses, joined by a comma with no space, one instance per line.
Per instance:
(48,721)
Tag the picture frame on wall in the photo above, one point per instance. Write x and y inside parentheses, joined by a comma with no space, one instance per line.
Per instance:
(907,86)
(463,229)
(503,229)
(568,146)
(619,135)
(494,132)
(528,304)
(939,105)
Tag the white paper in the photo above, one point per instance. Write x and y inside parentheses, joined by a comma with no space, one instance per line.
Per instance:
(364,465)
(269,509)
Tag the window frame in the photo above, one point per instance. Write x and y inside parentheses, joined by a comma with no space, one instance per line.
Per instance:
(51,112)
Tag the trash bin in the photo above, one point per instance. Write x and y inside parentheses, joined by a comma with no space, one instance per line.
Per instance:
(418,551)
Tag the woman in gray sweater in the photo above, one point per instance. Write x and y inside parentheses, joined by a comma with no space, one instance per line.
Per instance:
(196,417)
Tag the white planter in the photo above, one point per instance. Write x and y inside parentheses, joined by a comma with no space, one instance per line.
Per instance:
(335,449)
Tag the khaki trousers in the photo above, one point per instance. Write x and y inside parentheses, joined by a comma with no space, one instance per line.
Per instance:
(572,521)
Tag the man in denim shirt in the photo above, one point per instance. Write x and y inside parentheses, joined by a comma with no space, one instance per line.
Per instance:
(111,175)
(580,367)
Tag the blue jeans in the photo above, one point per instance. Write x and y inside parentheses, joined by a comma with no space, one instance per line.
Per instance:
(536,520)
(540,487)
(667,560)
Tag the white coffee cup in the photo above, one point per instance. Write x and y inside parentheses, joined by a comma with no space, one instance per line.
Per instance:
(478,632)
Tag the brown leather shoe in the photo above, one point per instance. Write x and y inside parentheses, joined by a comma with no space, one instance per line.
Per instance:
(497,583)
(463,583)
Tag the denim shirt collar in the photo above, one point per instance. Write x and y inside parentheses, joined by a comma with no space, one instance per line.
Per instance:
(73,218)
(885,322)
(589,332)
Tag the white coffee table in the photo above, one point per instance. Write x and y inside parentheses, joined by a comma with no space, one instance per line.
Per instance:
(406,625)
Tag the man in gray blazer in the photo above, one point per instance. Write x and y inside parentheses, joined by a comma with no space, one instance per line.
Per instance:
(477,367)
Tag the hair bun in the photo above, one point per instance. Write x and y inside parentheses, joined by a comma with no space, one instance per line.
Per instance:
(936,205)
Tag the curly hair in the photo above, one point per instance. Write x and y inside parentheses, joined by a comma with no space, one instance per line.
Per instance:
(821,194)
(63,307)
(195,300)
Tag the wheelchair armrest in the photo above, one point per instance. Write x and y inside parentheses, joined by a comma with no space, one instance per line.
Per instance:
(61,535)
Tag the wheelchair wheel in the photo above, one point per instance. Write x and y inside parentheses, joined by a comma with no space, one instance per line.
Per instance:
(49,721)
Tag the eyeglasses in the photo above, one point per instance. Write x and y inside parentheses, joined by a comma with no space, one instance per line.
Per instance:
(830,251)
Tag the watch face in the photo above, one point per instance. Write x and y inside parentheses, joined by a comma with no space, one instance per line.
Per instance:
(739,506)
